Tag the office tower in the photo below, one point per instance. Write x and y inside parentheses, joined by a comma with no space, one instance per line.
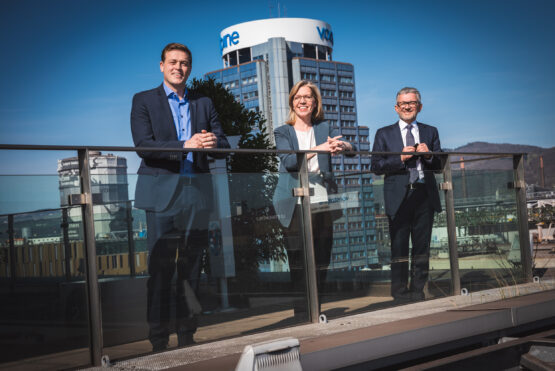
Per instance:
(262,60)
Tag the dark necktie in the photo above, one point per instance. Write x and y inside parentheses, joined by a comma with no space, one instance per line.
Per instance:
(411,164)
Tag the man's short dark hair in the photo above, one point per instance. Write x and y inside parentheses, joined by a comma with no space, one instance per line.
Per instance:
(176,46)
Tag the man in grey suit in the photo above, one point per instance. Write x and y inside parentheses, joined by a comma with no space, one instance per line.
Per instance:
(174,189)
(410,193)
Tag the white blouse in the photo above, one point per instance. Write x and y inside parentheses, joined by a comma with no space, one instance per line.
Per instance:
(306,141)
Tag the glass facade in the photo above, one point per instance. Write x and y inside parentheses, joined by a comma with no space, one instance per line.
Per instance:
(255,84)
(243,81)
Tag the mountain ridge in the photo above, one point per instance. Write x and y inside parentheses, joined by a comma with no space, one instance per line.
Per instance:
(531,160)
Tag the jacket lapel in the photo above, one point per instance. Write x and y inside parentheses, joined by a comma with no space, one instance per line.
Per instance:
(166,111)
(193,115)
(423,134)
(293,137)
(397,139)
(320,133)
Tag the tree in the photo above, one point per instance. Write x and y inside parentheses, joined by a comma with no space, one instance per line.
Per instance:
(239,121)
(257,236)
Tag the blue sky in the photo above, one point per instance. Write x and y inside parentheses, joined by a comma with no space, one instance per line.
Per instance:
(70,68)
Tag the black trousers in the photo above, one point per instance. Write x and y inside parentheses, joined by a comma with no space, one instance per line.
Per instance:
(322,231)
(176,238)
(414,220)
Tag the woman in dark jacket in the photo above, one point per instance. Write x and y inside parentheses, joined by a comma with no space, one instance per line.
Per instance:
(306,130)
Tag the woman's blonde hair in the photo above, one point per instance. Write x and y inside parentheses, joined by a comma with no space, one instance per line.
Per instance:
(317,113)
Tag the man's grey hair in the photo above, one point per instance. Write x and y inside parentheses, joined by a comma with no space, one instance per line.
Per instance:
(408,90)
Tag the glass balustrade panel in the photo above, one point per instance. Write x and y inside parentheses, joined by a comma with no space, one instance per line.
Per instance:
(42,262)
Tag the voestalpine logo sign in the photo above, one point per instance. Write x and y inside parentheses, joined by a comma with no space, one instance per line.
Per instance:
(325,34)
(229,40)
(299,30)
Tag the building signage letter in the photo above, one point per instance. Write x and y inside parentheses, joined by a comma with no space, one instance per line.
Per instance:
(228,40)
(325,34)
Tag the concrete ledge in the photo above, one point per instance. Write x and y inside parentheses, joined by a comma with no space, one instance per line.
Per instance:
(381,341)
(384,333)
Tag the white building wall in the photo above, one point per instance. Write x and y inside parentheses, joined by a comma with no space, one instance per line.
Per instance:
(277,59)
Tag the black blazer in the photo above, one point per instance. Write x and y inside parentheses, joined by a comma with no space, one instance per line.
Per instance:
(388,139)
(152,126)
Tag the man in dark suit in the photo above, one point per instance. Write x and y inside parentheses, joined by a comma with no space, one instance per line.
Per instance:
(410,193)
(174,189)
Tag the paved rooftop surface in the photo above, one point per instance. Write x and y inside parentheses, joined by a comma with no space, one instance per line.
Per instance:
(222,354)
(353,323)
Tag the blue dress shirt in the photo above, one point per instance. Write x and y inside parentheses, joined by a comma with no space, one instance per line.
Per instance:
(182,122)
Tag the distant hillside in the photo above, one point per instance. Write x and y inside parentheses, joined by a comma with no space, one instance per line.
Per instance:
(531,163)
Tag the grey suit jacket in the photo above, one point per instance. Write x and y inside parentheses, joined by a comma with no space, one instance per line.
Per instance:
(286,138)
(152,126)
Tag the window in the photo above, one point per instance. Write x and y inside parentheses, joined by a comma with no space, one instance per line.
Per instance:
(244,55)
(347,109)
(330,107)
(339,226)
(308,76)
(346,94)
(309,51)
(327,78)
(249,80)
(231,84)
(232,58)
(250,95)
(328,93)
(345,80)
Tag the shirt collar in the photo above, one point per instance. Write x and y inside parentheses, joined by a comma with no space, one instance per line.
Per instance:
(171,94)
(403,124)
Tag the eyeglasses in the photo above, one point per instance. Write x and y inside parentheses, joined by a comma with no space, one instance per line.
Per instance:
(406,104)
(297,98)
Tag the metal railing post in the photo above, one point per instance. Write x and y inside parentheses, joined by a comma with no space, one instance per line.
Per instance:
(447,187)
(310,260)
(93,292)
(522,212)
(67,247)
(11,239)
(130,240)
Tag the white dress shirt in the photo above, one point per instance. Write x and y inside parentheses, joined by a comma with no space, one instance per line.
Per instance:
(403,126)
